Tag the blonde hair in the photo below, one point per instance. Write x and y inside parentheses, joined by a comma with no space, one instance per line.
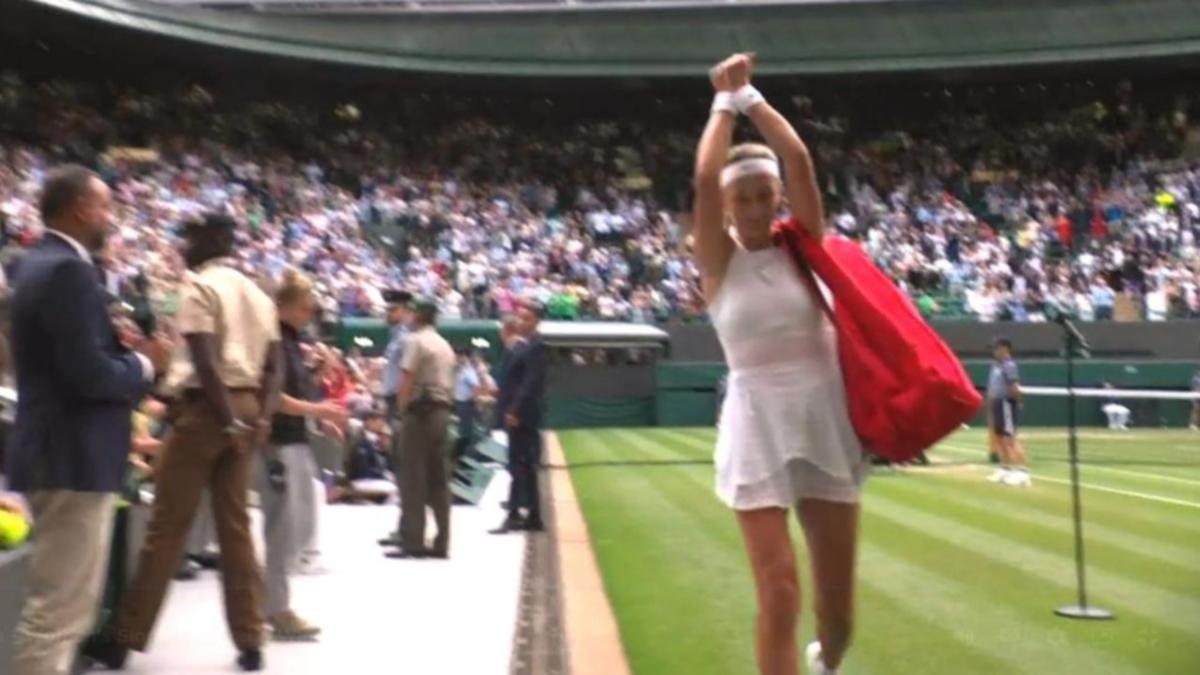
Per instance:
(294,287)
(749,151)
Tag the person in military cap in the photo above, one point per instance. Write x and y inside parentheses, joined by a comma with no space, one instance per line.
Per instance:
(424,398)
(399,316)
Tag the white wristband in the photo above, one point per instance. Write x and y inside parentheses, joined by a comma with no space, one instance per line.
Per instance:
(747,97)
(723,102)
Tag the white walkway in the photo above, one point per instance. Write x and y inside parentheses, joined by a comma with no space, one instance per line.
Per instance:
(379,616)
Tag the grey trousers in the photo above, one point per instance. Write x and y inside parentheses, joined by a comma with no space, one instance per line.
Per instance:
(72,533)
(287,519)
(312,495)
(398,468)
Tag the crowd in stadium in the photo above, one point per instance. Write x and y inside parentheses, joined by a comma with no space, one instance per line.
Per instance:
(1081,206)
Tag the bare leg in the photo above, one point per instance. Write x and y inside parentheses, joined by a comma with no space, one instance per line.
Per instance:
(777,586)
(1015,451)
(831,529)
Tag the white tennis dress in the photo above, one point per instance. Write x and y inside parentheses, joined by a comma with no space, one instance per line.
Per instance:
(785,432)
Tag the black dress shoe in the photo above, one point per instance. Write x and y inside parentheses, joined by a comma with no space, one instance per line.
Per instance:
(207,561)
(388,541)
(406,554)
(534,525)
(437,555)
(509,525)
(106,652)
(250,659)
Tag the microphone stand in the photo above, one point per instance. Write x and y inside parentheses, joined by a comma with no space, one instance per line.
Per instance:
(1076,344)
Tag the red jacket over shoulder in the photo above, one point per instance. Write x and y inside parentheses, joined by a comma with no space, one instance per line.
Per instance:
(905,389)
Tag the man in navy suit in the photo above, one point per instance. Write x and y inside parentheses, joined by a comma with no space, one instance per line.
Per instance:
(520,407)
(77,380)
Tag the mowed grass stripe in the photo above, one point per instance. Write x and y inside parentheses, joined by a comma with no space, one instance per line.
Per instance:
(883,643)
(1129,479)
(1172,611)
(1134,595)
(1167,523)
(656,557)
(977,636)
(1017,509)
(723,525)
(698,447)
(891,629)
(663,444)
(1147,477)
(996,601)
(974,614)
(1006,519)
(1060,475)
(1163,522)
(987,656)
(1146,452)
(906,631)
(1185,486)
(900,637)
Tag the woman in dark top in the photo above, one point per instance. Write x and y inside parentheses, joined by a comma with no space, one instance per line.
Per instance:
(288,470)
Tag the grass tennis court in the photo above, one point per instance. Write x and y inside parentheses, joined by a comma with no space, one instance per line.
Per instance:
(956,575)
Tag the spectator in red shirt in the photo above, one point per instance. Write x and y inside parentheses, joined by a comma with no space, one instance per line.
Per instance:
(1063,227)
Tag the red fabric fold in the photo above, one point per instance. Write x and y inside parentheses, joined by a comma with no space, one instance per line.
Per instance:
(904,387)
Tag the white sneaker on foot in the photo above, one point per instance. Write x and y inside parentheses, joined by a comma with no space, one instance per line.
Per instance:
(998,476)
(1018,478)
(816,664)
(310,566)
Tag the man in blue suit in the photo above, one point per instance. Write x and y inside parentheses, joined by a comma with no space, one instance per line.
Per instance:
(78,377)
(520,407)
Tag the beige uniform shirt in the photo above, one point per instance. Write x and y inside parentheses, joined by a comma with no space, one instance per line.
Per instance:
(431,362)
(218,300)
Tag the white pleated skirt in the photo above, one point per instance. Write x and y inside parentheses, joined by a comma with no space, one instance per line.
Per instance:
(785,435)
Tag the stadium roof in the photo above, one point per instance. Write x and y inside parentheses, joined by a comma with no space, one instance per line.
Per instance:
(410,6)
(588,38)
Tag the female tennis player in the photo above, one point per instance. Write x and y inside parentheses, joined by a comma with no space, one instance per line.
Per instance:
(785,437)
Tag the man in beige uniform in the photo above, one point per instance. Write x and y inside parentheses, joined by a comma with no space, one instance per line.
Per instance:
(225,384)
(425,397)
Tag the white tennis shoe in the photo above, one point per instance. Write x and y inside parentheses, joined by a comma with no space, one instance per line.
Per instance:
(1018,478)
(816,665)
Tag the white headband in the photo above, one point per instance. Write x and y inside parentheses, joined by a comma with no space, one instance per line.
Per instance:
(749,167)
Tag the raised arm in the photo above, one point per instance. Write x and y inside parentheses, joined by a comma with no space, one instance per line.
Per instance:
(713,246)
(800,178)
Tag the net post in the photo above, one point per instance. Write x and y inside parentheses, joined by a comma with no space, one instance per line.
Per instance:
(1081,610)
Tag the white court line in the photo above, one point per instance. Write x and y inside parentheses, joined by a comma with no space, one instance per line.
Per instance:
(1155,476)
(1091,486)
(1111,469)
(1105,436)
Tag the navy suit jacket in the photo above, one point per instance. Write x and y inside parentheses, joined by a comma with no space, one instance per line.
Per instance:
(523,389)
(76,384)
